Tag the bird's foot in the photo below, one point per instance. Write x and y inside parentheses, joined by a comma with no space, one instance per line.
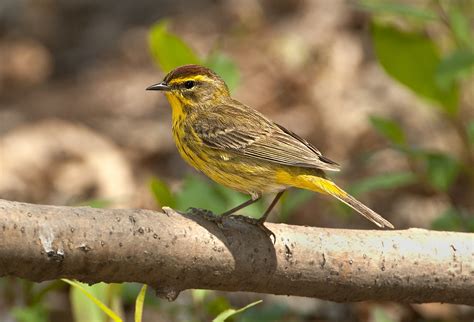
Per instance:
(256,222)
(206,214)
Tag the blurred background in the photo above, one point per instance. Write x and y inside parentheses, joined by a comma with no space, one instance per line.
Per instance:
(383,88)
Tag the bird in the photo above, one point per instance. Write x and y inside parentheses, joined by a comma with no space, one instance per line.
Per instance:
(238,147)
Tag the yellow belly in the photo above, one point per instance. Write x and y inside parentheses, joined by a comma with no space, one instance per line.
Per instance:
(247,175)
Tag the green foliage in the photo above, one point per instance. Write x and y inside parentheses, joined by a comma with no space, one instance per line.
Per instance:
(225,67)
(470,132)
(202,193)
(139,304)
(413,59)
(460,27)
(453,67)
(88,302)
(162,193)
(453,220)
(389,129)
(396,8)
(292,200)
(384,181)
(32,313)
(442,169)
(96,203)
(378,314)
(231,312)
(169,51)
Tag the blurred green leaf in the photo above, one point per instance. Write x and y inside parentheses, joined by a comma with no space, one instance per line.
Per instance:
(292,200)
(389,129)
(168,50)
(96,203)
(34,313)
(449,220)
(412,59)
(470,131)
(453,220)
(453,66)
(397,9)
(234,198)
(380,315)
(216,305)
(200,193)
(139,304)
(88,302)
(224,67)
(50,286)
(442,169)
(162,193)
(384,181)
(114,298)
(230,312)
(459,23)
(198,295)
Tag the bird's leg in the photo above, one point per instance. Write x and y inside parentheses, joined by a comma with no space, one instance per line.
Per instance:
(241,206)
(272,205)
(259,222)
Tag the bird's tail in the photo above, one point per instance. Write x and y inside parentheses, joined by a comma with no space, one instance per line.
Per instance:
(321,185)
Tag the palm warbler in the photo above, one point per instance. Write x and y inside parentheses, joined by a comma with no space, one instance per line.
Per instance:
(238,147)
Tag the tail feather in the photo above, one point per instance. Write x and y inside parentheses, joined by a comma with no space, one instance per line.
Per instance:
(319,184)
(363,210)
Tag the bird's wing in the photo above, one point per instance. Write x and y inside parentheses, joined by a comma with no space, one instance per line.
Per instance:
(244,131)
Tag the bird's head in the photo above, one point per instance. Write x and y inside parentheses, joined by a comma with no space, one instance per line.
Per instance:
(193,85)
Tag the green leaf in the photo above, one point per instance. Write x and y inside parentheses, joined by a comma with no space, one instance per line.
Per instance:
(384,181)
(139,304)
(233,198)
(199,295)
(162,193)
(398,9)
(199,192)
(378,314)
(442,170)
(168,50)
(453,66)
(82,296)
(34,313)
(389,129)
(449,220)
(292,200)
(412,59)
(459,24)
(96,203)
(224,67)
(39,296)
(230,312)
(470,132)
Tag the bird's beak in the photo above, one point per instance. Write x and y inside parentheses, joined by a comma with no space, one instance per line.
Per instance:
(159,87)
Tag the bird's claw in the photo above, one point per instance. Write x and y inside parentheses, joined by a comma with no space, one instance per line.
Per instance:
(256,222)
(219,220)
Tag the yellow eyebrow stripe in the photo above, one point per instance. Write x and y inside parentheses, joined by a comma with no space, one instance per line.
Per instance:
(187,78)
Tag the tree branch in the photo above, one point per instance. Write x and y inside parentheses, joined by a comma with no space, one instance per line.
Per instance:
(173,252)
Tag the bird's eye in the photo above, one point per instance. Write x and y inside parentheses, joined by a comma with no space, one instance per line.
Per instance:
(189,84)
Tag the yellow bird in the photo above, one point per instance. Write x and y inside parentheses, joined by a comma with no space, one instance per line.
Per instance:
(238,147)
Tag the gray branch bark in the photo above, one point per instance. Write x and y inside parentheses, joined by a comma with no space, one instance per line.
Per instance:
(173,252)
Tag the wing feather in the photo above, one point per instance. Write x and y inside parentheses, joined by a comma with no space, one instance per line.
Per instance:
(252,134)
